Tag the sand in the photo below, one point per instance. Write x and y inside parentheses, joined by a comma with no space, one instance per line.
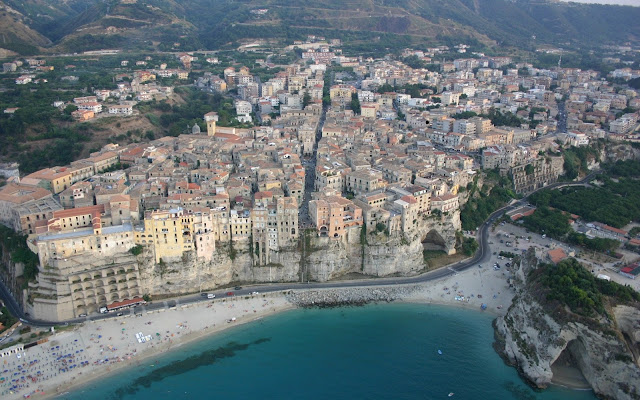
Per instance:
(99,348)
(469,289)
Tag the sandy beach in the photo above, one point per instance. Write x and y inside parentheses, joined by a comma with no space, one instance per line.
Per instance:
(94,349)
(469,289)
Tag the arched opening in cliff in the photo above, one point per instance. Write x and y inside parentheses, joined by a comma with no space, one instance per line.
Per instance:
(567,368)
(433,241)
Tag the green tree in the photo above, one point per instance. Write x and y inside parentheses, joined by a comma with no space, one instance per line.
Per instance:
(355,103)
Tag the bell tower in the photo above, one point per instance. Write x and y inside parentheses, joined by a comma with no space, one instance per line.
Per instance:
(211,118)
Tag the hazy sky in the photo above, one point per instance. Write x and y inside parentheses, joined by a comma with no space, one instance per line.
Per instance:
(635,3)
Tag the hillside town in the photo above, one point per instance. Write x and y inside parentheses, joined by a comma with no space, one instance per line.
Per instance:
(337,146)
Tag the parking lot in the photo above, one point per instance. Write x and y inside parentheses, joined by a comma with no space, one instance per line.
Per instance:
(515,239)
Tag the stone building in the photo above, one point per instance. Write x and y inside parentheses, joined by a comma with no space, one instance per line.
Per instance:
(536,174)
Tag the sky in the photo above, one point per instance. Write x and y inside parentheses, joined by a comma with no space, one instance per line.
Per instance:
(635,3)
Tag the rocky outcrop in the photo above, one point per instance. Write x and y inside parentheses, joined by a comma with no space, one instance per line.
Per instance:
(348,296)
(532,339)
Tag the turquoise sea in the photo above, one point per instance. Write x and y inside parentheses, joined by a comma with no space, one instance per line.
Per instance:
(385,351)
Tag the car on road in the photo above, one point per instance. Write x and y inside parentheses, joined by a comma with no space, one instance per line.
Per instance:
(120,314)
(254,293)
(203,294)
(211,296)
(82,315)
(229,293)
(238,288)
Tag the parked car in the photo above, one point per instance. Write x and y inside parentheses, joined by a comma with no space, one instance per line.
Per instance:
(229,293)
(238,287)
(203,294)
(82,315)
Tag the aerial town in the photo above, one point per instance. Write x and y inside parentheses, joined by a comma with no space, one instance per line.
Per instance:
(312,169)
(243,196)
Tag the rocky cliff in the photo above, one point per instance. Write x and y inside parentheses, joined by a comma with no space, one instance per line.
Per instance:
(312,259)
(536,333)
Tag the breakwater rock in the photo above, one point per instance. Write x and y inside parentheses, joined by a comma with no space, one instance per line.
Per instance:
(348,296)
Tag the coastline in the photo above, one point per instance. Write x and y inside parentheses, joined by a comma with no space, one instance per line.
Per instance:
(153,352)
(193,322)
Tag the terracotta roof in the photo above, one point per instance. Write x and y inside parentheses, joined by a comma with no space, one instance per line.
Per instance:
(557,255)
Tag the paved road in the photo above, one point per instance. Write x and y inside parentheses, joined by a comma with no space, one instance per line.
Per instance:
(482,255)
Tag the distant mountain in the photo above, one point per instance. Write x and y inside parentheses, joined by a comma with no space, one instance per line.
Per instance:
(16,35)
(75,25)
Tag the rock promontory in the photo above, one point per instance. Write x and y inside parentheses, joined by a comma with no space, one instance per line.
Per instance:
(562,314)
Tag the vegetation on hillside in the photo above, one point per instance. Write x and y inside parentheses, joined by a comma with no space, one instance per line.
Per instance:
(576,159)
(615,203)
(365,27)
(483,201)
(570,284)
(555,223)
(16,245)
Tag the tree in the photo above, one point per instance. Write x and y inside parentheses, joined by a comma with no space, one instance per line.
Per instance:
(306,99)
(355,103)
(69,109)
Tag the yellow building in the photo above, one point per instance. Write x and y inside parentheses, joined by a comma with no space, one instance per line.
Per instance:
(341,93)
(173,232)
(55,179)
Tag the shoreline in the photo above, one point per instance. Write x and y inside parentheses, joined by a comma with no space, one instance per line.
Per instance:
(150,353)
(202,320)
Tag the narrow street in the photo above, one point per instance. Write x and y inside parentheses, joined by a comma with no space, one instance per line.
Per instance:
(309,164)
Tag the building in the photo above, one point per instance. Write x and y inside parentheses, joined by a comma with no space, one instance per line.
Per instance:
(121,109)
(173,232)
(536,174)
(364,181)
(211,118)
(445,203)
(333,215)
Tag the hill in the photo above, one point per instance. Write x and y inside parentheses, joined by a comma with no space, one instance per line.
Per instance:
(16,35)
(75,25)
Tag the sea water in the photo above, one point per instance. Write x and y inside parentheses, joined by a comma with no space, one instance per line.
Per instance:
(387,351)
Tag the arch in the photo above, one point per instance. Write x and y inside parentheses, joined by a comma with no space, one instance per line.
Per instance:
(433,241)
(571,362)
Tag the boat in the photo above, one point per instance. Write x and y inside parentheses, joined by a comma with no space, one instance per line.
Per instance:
(439,351)
(450,394)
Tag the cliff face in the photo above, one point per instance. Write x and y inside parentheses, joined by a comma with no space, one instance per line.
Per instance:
(78,284)
(314,259)
(531,339)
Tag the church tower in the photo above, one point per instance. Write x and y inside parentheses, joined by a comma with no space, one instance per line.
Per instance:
(211,118)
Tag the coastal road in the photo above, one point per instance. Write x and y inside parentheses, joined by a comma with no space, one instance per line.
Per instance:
(482,255)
